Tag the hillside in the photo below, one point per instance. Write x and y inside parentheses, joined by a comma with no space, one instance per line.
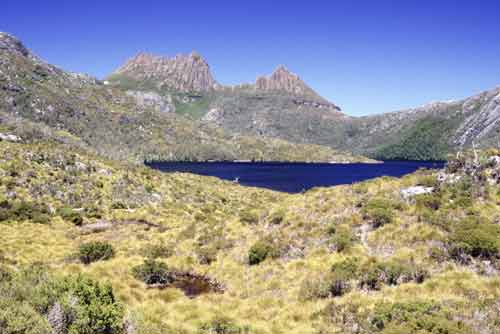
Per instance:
(186,254)
(41,101)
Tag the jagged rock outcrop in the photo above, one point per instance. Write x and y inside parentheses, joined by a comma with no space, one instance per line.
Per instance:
(12,44)
(183,73)
(285,81)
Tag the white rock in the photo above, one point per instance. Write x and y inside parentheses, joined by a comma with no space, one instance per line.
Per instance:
(9,137)
(414,191)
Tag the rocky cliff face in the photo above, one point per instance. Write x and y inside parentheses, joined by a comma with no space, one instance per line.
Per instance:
(282,80)
(183,73)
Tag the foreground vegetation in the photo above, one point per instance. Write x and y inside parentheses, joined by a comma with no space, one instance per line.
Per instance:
(96,246)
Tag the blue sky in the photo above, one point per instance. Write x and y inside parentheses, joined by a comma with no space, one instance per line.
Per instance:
(366,56)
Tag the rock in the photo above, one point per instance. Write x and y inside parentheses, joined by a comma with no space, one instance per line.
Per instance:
(12,44)
(214,115)
(153,100)
(10,137)
(57,319)
(183,73)
(414,191)
(284,80)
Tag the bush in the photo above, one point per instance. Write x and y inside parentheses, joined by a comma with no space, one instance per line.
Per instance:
(249,217)
(342,238)
(277,217)
(71,216)
(415,317)
(17,317)
(260,251)
(222,325)
(428,201)
(342,274)
(95,251)
(375,274)
(152,272)
(315,288)
(379,211)
(21,211)
(85,305)
(475,237)
(96,311)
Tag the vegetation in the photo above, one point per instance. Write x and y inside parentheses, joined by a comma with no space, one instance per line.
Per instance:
(336,265)
(260,251)
(152,272)
(95,251)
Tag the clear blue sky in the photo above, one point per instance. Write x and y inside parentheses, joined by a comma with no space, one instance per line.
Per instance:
(366,56)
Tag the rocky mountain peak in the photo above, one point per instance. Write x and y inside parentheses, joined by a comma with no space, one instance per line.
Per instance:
(284,80)
(184,73)
(12,44)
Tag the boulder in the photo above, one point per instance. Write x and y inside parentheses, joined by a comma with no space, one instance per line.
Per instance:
(410,192)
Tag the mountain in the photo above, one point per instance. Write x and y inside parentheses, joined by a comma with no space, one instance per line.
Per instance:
(40,101)
(283,106)
(182,73)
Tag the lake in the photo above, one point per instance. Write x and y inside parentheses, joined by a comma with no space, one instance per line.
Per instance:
(294,177)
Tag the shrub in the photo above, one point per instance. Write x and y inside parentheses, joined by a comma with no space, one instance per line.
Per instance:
(379,211)
(71,216)
(20,211)
(86,306)
(222,325)
(249,217)
(96,310)
(342,274)
(17,317)
(475,237)
(374,274)
(415,317)
(152,272)
(315,288)
(343,238)
(277,217)
(95,251)
(260,251)
(428,201)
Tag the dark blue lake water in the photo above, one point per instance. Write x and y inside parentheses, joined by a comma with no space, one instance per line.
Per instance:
(295,177)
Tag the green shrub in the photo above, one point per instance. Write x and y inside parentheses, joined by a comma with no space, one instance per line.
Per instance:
(71,216)
(249,217)
(95,251)
(152,272)
(21,211)
(428,201)
(343,238)
(20,317)
(222,325)
(118,206)
(415,317)
(475,237)
(342,274)
(375,274)
(277,217)
(87,306)
(428,181)
(96,310)
(260,251)
(379,212)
